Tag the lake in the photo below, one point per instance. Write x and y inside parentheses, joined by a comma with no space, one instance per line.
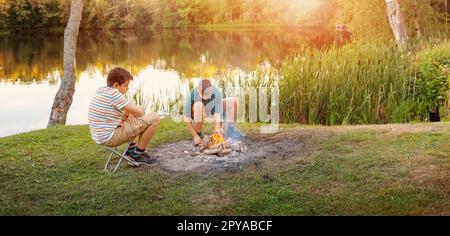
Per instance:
(162,63)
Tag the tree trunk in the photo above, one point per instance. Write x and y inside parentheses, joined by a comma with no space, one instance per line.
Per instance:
(416,20)
(448,104)
(63,98)
(397,22)
(446,13)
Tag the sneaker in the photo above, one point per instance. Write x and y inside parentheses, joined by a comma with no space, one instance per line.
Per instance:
(143,158)
(131,162)
(128,154)
(129,151)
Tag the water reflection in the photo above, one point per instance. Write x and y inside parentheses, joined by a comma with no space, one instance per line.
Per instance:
(31,66)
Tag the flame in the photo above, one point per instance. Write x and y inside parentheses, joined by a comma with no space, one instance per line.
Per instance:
(216,139)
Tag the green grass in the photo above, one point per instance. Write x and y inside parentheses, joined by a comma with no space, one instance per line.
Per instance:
(351,171)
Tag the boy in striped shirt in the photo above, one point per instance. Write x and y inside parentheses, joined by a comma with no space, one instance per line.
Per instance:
(113,120)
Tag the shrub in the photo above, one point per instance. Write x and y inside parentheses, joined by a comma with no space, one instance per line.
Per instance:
(432,78)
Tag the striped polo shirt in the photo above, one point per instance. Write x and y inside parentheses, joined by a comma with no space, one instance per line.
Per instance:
(105,113)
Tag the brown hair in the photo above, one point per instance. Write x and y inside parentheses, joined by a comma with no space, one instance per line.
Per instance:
(119,75)
(205,84)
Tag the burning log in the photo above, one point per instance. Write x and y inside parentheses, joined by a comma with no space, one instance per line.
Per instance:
(201,148)
(217,145)
(205,139)
(226,144)
(224,152)
(214,146)
(210,151)
(238,147)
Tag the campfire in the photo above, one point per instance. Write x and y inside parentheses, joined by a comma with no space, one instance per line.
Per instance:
(216,139)
(216,144)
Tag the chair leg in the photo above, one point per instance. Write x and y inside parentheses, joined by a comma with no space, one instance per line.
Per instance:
(121,158)
(121,155)
(110,157)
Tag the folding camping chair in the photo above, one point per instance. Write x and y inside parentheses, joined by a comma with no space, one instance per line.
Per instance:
(122,156)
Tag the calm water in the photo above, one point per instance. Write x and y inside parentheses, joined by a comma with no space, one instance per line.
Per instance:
(31,66)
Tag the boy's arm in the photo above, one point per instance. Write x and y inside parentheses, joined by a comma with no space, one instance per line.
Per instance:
(134,109)
(191,129)
(125,116)
(119,102)
(218,111)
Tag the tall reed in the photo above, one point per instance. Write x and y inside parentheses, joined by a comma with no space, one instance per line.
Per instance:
(138,96)
(359,83)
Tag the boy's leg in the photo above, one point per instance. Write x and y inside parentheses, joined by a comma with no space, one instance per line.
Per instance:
(198,111)
(144,128)
(133,144)
(135,139)
(144,138)
(230,107)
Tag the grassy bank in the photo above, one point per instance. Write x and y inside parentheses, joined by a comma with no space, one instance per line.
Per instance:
(368,170)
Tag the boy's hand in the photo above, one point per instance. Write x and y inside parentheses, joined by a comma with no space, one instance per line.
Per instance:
(198,140)
(125,116)
(132,119)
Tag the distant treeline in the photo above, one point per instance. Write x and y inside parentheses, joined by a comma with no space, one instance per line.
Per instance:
(364,18)
(112,14)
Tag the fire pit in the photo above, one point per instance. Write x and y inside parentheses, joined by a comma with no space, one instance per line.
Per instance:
(258,150)
(217,145)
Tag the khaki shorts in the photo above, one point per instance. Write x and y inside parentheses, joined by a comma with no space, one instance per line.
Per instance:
(127,131)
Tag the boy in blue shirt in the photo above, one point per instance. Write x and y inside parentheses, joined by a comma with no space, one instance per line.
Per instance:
(205,101)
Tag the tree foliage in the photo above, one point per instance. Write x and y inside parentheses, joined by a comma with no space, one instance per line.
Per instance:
(365,19)
(44,14)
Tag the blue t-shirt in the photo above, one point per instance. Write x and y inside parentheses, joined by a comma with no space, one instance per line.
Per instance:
(212,105)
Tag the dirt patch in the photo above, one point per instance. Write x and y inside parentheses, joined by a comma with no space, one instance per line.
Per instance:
(284,148)
(261,150)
